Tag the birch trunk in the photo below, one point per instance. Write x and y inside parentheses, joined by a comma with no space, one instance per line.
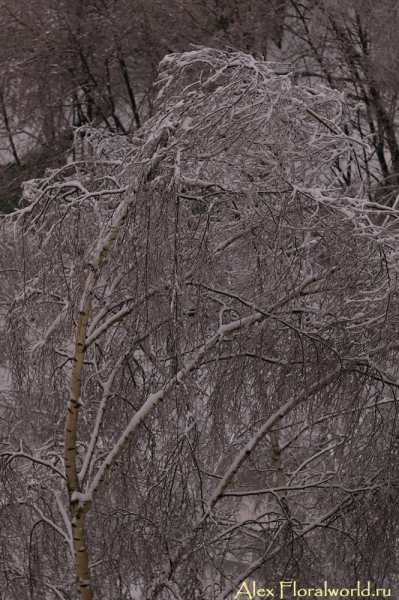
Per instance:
(81,556)
(77,514)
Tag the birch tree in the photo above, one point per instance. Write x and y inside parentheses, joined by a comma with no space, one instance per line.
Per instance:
(203,349)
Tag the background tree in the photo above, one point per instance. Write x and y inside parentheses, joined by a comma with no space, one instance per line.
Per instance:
(63,65)
(203,345)
(66,64)
(352,47)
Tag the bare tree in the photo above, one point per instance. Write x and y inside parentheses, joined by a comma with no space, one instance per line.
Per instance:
(203,349)
(63,65)
(101,61)
(352,47)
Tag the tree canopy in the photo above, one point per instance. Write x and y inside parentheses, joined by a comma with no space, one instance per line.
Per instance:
(203,345)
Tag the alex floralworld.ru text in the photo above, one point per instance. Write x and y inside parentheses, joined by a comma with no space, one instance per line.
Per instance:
(289,589)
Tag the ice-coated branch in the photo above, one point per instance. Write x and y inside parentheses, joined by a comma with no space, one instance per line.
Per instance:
(62,533)
(20,454)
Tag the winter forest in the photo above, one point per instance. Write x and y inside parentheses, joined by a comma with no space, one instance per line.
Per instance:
(199,299)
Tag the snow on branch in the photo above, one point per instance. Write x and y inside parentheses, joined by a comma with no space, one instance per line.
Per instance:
(172,281)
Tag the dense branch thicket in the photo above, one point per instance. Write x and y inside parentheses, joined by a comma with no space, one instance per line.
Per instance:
(352,47)
(203,346)
(67,64)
